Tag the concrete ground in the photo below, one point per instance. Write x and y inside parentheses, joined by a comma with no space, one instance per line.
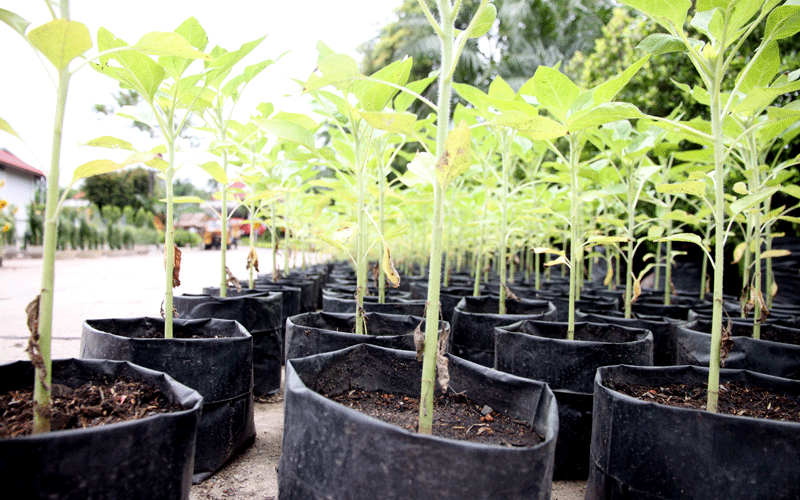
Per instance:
(131,284)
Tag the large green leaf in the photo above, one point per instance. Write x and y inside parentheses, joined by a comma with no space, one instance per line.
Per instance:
(536,127)
(162,43)
(374,96)
(761,97)
(686,237)
(782,22)
(709,22)
(287,130)
(696,188)
(339,70)
(399,123)
(762,71)
(669,13)
(191,30)
(607,90)
(110,142)
(472,95)
(136,70)
(98,167)
(404,99)
(662,43)
(750,200)
(61,41)
(216,172)
(219,68)
(604,113)
(483,21)
(555,91)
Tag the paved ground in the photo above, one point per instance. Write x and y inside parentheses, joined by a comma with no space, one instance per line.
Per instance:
(132,285)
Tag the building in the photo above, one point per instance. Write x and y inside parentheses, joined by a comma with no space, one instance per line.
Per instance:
(21,183)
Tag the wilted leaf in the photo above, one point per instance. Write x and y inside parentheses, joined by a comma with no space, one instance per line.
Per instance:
(457,156)
(389,269)
(252,260)
(231,280)
(771,254)
(176,268)
(344,234)
(738,252)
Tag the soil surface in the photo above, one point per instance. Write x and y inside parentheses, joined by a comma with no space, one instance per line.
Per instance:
(734,399)
(92,404)
(454,417)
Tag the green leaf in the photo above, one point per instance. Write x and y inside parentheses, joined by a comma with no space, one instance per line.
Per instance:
(61,41)
(399,123)
(110,143)
(662,43)
(761,97)
(424,165)
(604,113)
(709,22)
(763,70)
(188,199)
(136,71)
(374,96)
(404,99)
(457,156)
(5,127)
(536,127)
(216,172)
(696,188)
(472,95)
(687,237)
(98,167)
(607,90)
(555,91)
(669,13)
(483,21)
(16,22)
(288,130)
(218,69)
(750,200)
(191,30)
(162,43)
(792,190)
(339,70)
(782,22)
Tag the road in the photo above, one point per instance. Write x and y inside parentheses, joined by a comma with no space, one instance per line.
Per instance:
(127,285)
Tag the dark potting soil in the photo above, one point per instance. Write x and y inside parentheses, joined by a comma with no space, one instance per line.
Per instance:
(734,399)
(790,337)
(454,417)
(151,332)
(92,404)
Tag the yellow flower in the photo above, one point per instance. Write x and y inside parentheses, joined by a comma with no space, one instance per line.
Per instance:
(3,204)
(7,228)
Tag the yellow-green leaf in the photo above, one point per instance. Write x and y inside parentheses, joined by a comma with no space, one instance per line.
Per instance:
(5,127)
(110,142)
(457,156)
(216,172)
(61,41)
(98,167)
(738,252)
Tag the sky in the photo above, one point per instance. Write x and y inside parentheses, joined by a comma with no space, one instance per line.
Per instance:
(27,96)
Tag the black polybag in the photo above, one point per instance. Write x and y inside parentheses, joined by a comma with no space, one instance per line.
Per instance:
(260,313)
(218,363)
(331,451)
(145,459)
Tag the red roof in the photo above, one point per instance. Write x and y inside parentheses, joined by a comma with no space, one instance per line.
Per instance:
(8,158)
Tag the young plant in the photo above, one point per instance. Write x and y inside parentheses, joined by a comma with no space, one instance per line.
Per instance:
(725,26)
(170,98)
(61,42)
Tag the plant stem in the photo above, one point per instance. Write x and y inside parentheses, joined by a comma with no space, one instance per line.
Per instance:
(274,235)
(169,240)
(223,245)
(719,238)
(435,266)
(573,238)
(43,376)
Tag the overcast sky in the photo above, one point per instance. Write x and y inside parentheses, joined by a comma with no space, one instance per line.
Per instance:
(27,96)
